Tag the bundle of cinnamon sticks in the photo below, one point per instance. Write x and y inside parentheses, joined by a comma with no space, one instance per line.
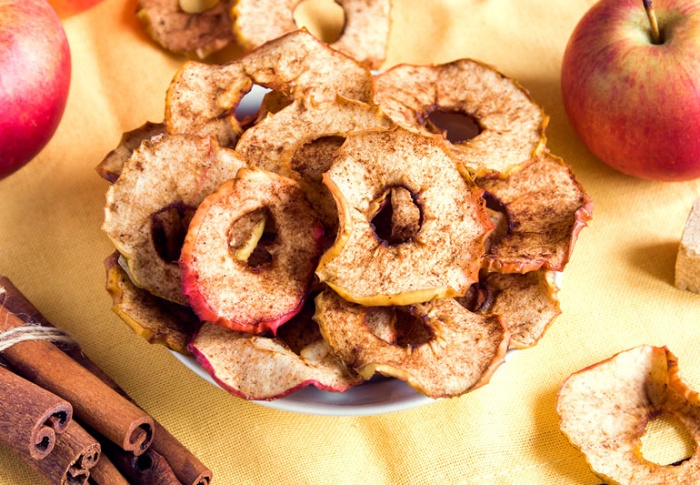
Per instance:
(68,420)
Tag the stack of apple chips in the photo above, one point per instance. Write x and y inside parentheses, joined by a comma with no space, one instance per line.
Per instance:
(341,230)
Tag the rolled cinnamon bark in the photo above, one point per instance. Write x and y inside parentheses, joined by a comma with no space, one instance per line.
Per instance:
(150,468)
(74,454)
(30,416)
(105,473)
(95,403)
(186,466)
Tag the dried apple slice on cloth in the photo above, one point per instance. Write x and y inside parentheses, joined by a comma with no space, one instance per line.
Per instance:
(112,164)
(442,259)
(546,208)
(604,410)
(149,206)
(265,368)
(242,294)
(364,36)
(202,98)
(527,303)
(509,124)
(455,350)
(187,33)
(157,320)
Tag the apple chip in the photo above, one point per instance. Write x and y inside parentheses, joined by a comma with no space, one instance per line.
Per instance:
(112,164)
(149,206)
(455,352)
(510,125)
(187,33)
(265,368)
(604,411)
(249,295)
(546,208)
(364,36)
(157,320)
(441,260)
(202,98)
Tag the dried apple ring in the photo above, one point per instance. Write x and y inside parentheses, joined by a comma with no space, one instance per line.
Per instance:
(458,352)
(510,125)
(442,259)
(202,98)
(604,410)
(111,165)
(364,36)
(181,32)
(161,184)
(266,368)
(235,293)
(546,208)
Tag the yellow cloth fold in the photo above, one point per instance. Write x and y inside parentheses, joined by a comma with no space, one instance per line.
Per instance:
(617,290)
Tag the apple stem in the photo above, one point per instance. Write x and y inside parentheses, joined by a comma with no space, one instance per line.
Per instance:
(655,33)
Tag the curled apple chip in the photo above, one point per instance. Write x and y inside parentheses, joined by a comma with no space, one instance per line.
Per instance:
(546,207)
(259,292)
(202,98)
(112,164)
(157,320)
(441,259)
(149,206)
(264,368)
(448,350)
(187,33)
(364,36)
(604,410)
(509,126)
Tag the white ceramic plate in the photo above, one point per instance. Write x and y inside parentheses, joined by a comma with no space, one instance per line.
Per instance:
(370,398)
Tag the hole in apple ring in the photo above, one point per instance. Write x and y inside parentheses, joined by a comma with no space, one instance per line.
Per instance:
(251,239)
(456,126)
(398,326)
(396,216)
(325,19)
(168,230)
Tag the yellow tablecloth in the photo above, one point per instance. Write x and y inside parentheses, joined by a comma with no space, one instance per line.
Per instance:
(617,291)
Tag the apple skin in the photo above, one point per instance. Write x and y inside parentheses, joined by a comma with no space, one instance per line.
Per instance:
(633,103)
(35,71)
(67,8)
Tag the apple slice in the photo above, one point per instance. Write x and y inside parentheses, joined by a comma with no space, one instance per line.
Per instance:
(157,320)
(604,410)
(441,260)
(202,98)
(182,32)
(546,208)
(112,164)
(161,184)
(266,368)
(364,36)
(510,125)
(244,295)
(457,352)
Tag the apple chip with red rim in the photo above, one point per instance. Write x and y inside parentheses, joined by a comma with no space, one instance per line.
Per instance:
(604,410)
(202,98)
(441,259)
(507,127)
(546,208)
(149,206)
(235,276)
(182,32)
(157,320)
(443,350)
(364,36)
(264,368)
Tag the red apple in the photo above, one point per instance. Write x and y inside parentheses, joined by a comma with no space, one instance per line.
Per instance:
(35,69)
(66,8)
(635,101)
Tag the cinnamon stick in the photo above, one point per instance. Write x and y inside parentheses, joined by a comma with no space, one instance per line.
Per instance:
(30,416)
(69,463)
(105,473)
(186,466)
(149,468)
(95,403)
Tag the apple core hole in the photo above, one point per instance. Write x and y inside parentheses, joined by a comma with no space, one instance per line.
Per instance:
(325,19)
(666,441)
(249,106)
(410,330)
(314,158)
(168,230)
(457,126)
(398,217)
(251,237)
